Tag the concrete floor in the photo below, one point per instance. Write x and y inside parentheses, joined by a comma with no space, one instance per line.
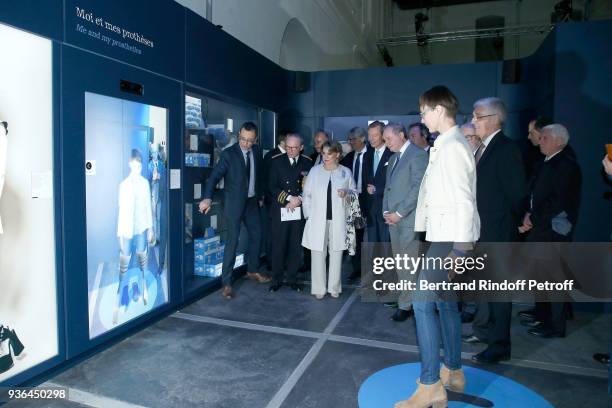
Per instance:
(288,350)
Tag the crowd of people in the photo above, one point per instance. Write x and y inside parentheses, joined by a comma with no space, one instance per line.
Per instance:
(448,185)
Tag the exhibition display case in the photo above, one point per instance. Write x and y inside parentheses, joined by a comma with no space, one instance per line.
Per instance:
(211,125)
(30,261)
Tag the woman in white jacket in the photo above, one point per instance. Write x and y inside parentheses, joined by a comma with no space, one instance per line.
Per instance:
(446,210)
(324,207)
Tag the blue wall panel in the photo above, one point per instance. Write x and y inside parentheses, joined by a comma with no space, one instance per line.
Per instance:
(218,62)
(582,103)
(395,91)
(43,17)
(132,31)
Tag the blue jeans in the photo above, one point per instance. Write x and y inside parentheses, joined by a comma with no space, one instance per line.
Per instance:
(429,330)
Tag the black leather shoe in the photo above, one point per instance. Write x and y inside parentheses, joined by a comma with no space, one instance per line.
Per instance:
(530,323)
(602,358)
(545,333)
(488,357)
(467,317)
(275,287)
(401,315)
(471,339)
(391,305)
(527,314)
(297,287)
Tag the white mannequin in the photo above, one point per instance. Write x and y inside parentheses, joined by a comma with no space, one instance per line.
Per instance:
(3,159)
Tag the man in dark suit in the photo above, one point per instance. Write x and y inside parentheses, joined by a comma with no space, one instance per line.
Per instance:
(266,231)
(354,161)
(240,167)
(500,196)
(284,191)
(554,201)
(375,163)
(531,150)
(320,137)
(279,149)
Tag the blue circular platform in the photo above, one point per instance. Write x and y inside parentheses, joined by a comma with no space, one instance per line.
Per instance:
(483,389)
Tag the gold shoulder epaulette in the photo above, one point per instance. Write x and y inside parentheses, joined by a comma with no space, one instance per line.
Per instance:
(306,157)
(276,155)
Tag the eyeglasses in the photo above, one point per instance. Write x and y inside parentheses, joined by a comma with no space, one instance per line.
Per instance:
(292,147)
(246,140)
(427,109)
(470,136)
(476,117)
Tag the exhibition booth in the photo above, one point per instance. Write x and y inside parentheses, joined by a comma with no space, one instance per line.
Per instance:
(116,113)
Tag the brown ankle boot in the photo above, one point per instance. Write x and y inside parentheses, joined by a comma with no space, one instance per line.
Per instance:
(426,396)
(454,380)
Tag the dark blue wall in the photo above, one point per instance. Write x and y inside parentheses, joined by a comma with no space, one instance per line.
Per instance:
(42,17)
(582,103)
(218,62)
(89,22)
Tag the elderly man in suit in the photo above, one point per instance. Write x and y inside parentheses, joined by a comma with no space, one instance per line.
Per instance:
(501,198)
(321,136)
(554,192)
(404,174)
(240,166)
(354,161)
(284,191)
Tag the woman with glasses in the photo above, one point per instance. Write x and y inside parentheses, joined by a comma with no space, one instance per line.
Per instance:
(325,208)
(446,210)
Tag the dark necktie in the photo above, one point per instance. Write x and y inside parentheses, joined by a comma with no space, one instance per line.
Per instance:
(479,152)
(356,169)
(293,162)
(395,164)
(248,168)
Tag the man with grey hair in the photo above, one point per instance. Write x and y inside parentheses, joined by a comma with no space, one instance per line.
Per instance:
(404,175)
(320,137)
(500,196)
(469,131)
(354,161)
(554,201)
(284,190)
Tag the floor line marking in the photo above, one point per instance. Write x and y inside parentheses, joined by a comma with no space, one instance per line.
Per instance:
(90,399)
(515,362)
(248,326)
(284,391)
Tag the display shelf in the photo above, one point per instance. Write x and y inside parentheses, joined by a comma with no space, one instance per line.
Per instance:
(205,137)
